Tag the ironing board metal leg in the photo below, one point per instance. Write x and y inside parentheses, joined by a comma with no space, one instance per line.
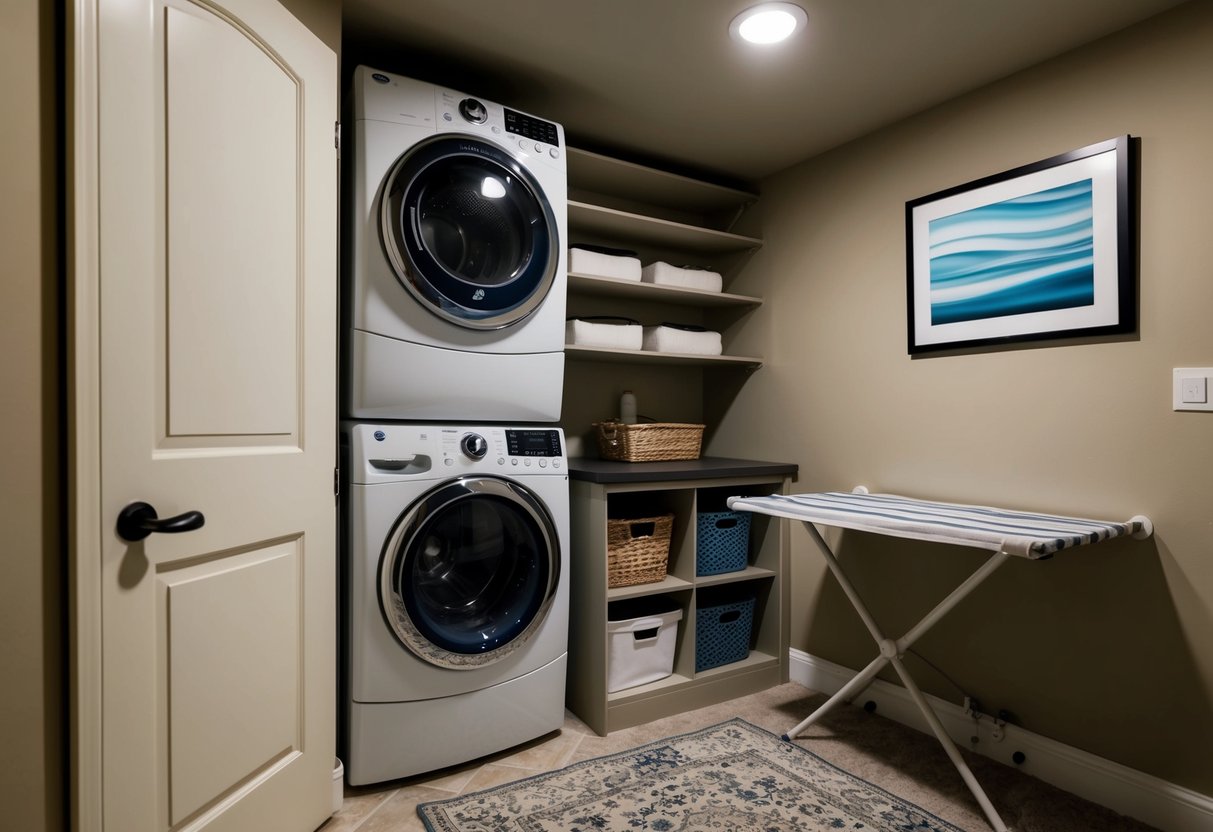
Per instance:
(858,683)
(955,597)
(949,747)
(845,583)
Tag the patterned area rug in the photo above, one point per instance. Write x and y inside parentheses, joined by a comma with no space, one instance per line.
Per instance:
(731,776)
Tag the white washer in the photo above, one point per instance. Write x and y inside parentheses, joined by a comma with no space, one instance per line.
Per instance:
(457,560)
(457,232)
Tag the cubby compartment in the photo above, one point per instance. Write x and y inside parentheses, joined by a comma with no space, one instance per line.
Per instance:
(604,492)
(679,506)
(642,639)
(727,549)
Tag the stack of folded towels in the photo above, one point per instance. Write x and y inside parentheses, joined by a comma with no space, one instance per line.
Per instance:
(663,274)
(604,331)
(626,334)
(682,338)
(601,261)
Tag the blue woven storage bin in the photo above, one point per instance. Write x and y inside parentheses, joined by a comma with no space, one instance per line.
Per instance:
(722,633)
(722,542)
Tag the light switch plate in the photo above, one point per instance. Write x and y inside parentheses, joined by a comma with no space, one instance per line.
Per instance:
(1190,388)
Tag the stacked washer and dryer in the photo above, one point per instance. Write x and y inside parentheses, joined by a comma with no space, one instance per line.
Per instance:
(455,498)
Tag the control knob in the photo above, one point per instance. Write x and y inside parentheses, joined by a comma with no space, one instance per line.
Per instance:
(473,111)
(474,445)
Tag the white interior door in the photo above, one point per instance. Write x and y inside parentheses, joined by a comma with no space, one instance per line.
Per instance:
(214,317)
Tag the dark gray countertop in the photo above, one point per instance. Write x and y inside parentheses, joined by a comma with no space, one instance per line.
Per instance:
(606,470)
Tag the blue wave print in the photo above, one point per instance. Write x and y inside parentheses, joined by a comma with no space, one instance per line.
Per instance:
(1034,253)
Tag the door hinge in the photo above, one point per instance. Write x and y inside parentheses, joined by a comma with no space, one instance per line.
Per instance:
(337,135)
(336,482)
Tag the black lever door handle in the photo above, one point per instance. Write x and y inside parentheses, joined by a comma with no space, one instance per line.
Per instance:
(138,520)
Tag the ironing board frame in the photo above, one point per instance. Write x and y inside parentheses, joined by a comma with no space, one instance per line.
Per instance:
(893,649)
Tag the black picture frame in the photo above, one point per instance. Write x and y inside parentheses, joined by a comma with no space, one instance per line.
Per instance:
(1042,251)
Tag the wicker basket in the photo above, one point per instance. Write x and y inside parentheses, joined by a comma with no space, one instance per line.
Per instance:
(638,550)
(648,441)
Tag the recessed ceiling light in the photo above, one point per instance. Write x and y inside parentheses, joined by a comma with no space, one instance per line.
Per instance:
(768,23)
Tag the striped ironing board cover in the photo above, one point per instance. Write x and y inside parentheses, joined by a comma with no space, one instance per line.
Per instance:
(1019,533)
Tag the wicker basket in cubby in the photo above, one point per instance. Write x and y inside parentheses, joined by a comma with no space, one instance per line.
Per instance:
(638,550)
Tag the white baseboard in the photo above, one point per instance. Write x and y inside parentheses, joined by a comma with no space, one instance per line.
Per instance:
(1130,792)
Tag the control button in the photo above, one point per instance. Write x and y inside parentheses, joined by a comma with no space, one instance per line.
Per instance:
(539,148)
(554,153)
(495,129)
(527,463)
(524,145)
(555,463)
(501,460)
(543,463)
(448,461)
(447,117)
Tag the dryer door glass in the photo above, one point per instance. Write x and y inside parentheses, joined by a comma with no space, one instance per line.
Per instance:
(470,572)
(469,232)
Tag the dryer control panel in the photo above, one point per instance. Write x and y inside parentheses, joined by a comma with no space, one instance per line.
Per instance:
(530,127)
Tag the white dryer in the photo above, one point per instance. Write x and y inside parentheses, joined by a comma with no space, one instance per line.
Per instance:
(456,241)
(456,563)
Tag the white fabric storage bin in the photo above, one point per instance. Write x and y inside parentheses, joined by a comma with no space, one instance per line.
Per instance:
(641,634)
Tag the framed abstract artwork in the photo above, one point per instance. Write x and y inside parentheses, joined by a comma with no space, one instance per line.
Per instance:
(1044,251)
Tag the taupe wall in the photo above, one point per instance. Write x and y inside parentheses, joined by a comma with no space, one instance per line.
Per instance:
(322,17)
(1109,649)
(31,652)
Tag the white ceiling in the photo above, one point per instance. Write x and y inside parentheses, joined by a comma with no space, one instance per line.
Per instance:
(661,80)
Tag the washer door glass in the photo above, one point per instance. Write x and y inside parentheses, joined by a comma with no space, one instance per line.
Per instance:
(469,572)
(469,232)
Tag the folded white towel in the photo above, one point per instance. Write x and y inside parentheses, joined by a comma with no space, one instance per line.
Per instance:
(667,275)
(604,265)
(672,339)
(614,336)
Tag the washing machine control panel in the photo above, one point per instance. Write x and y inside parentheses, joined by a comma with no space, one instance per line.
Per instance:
(533,442)
(395,452)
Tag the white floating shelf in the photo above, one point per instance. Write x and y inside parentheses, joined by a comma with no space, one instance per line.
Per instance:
(648,357)
(637,228)
(614,287)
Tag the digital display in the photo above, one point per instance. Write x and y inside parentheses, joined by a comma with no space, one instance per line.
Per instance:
(533,442)
(531,127)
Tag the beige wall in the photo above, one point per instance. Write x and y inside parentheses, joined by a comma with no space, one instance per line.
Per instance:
(31,651)
(1109,649)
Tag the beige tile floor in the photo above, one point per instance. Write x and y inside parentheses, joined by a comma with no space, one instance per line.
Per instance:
(393,806)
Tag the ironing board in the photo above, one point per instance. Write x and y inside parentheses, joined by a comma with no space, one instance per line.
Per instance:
(1006,533)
